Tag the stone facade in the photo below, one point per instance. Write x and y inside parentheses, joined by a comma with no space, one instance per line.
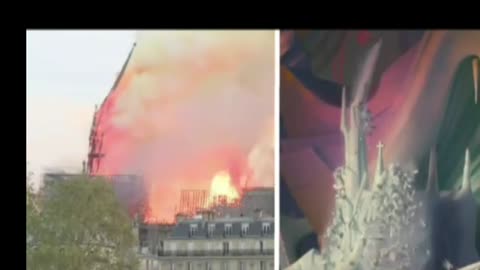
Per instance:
(209,263)
(240,243)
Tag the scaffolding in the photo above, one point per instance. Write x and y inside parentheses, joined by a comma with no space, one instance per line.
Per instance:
(192,200)
(95,153)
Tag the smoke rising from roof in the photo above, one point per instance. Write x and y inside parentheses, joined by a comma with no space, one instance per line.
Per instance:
(191,104)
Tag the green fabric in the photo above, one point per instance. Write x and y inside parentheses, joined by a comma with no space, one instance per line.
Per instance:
(459,129)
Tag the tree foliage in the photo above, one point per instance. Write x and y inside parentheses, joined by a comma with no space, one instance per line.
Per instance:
(78,224)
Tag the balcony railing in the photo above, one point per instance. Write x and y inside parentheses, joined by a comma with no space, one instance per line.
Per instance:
(182,253)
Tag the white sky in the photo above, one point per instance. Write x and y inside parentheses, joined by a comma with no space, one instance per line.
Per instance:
(68,72)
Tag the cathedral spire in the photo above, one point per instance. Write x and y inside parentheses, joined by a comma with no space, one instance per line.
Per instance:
(475,65)
(432,181)
(354,120)
(380,169)
(466,173)
(343,113)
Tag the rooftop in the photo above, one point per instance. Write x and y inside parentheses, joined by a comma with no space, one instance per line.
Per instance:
(238,227)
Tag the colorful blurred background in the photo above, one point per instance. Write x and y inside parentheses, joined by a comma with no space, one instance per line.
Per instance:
(422,96)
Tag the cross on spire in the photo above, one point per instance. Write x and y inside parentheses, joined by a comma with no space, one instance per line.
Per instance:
(380,168)
(380,145)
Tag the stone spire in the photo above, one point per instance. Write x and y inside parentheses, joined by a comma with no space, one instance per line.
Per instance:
(475,65)
(353,123)
(466,173)
(361,86)
(350,136)
(124,67)
(343,113)
(432,181)
(380,169)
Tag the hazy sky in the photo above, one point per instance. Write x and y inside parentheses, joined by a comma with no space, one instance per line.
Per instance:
(68,72)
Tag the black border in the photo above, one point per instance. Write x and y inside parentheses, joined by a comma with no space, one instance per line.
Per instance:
(247,15)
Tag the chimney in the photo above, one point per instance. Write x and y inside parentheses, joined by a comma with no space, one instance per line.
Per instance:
(180,217)
(258,213)
(84,167)
(207,214)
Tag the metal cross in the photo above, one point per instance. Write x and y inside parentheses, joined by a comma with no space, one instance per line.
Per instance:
(380,145)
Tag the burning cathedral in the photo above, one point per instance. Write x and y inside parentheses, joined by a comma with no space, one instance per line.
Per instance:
(229,224)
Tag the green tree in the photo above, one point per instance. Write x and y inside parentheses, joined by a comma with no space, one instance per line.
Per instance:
(78,224)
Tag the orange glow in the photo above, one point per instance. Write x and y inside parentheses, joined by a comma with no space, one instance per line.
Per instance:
(222,187)
(175,85)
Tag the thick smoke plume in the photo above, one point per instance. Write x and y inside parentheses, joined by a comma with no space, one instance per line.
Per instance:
(189,105)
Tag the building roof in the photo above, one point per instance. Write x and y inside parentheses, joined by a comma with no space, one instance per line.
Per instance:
(60,176)
(255,229)
(258,189)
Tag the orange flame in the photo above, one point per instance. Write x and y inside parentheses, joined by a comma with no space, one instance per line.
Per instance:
(222,187)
